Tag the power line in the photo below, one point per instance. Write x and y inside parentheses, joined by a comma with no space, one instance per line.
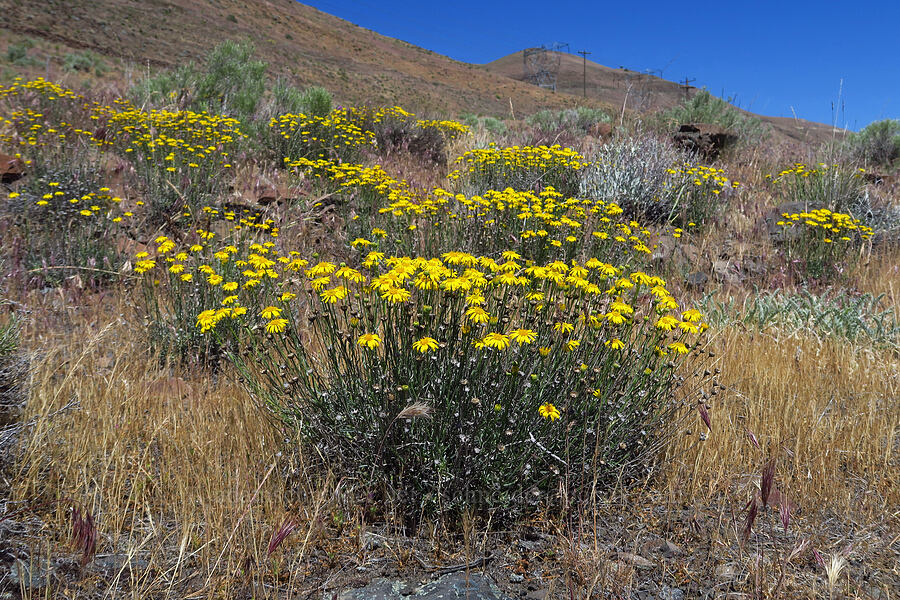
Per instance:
(584,54)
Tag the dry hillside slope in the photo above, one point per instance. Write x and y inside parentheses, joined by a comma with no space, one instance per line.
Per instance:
(642,92)
(357,65)
(312,47)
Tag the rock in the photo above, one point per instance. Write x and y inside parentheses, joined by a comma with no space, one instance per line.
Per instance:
(726,571)
(603,131)
(113,563)
(11,168)
(697,279)
(371,541)
(673,251)
(266,195)
(667,593)
(669,549)
(635,560)
(455,586)
(705,139)
(537,595)
(31,574)
(379,589)
(771,219)
(726,272)
(516,578)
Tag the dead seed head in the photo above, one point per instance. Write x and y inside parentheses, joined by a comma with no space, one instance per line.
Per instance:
(416,410)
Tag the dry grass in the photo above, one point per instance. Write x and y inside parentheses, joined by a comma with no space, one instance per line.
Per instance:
(827,411)
(183,474)
(186,473)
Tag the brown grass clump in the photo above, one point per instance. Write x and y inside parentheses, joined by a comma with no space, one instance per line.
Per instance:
(826,409)
(182,473)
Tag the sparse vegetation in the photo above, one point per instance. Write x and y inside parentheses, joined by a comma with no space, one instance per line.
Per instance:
(402,368)
(85,61)
(572,120)
(878,144)
(703,107)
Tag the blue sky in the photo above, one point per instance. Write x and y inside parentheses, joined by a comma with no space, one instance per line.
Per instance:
(831,62)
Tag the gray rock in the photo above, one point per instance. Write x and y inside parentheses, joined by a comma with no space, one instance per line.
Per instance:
(705,139)
(667,593)
(32,574)
(113,563)
(669,549)
(516,578)
(635,560)
(455,586)
(379,589)
(697,279)
(726,571)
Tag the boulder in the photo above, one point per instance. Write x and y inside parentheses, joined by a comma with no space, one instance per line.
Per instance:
(704,139)
(602,131)
(887,181)
(11,168)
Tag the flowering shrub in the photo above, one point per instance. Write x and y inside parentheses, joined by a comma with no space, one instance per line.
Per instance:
(180,157)
(651,181)
(179,284)
(519,168)
(69,226)
(459,381)
(299,136)
(540,226)
(821,242)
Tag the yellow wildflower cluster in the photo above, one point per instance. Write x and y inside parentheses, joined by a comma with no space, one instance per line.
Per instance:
(39,86)
(700,176)
(832,226)
(540,220)
(336,130)
(171,140)
(515,158)
(805,171)
(451,129)
(92,204)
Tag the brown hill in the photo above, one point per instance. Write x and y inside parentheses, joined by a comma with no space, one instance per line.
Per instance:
(642,92)
(314,48)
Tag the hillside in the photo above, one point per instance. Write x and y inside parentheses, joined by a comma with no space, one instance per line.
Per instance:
(311,47)
(644,92)
(314,48)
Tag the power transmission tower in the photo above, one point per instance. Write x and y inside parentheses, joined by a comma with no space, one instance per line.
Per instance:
(584,54)
(541,65)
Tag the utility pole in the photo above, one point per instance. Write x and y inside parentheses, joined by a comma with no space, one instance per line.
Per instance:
(686,83)
(584,54)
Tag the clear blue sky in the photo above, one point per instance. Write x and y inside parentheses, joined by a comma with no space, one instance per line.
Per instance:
(776,58)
